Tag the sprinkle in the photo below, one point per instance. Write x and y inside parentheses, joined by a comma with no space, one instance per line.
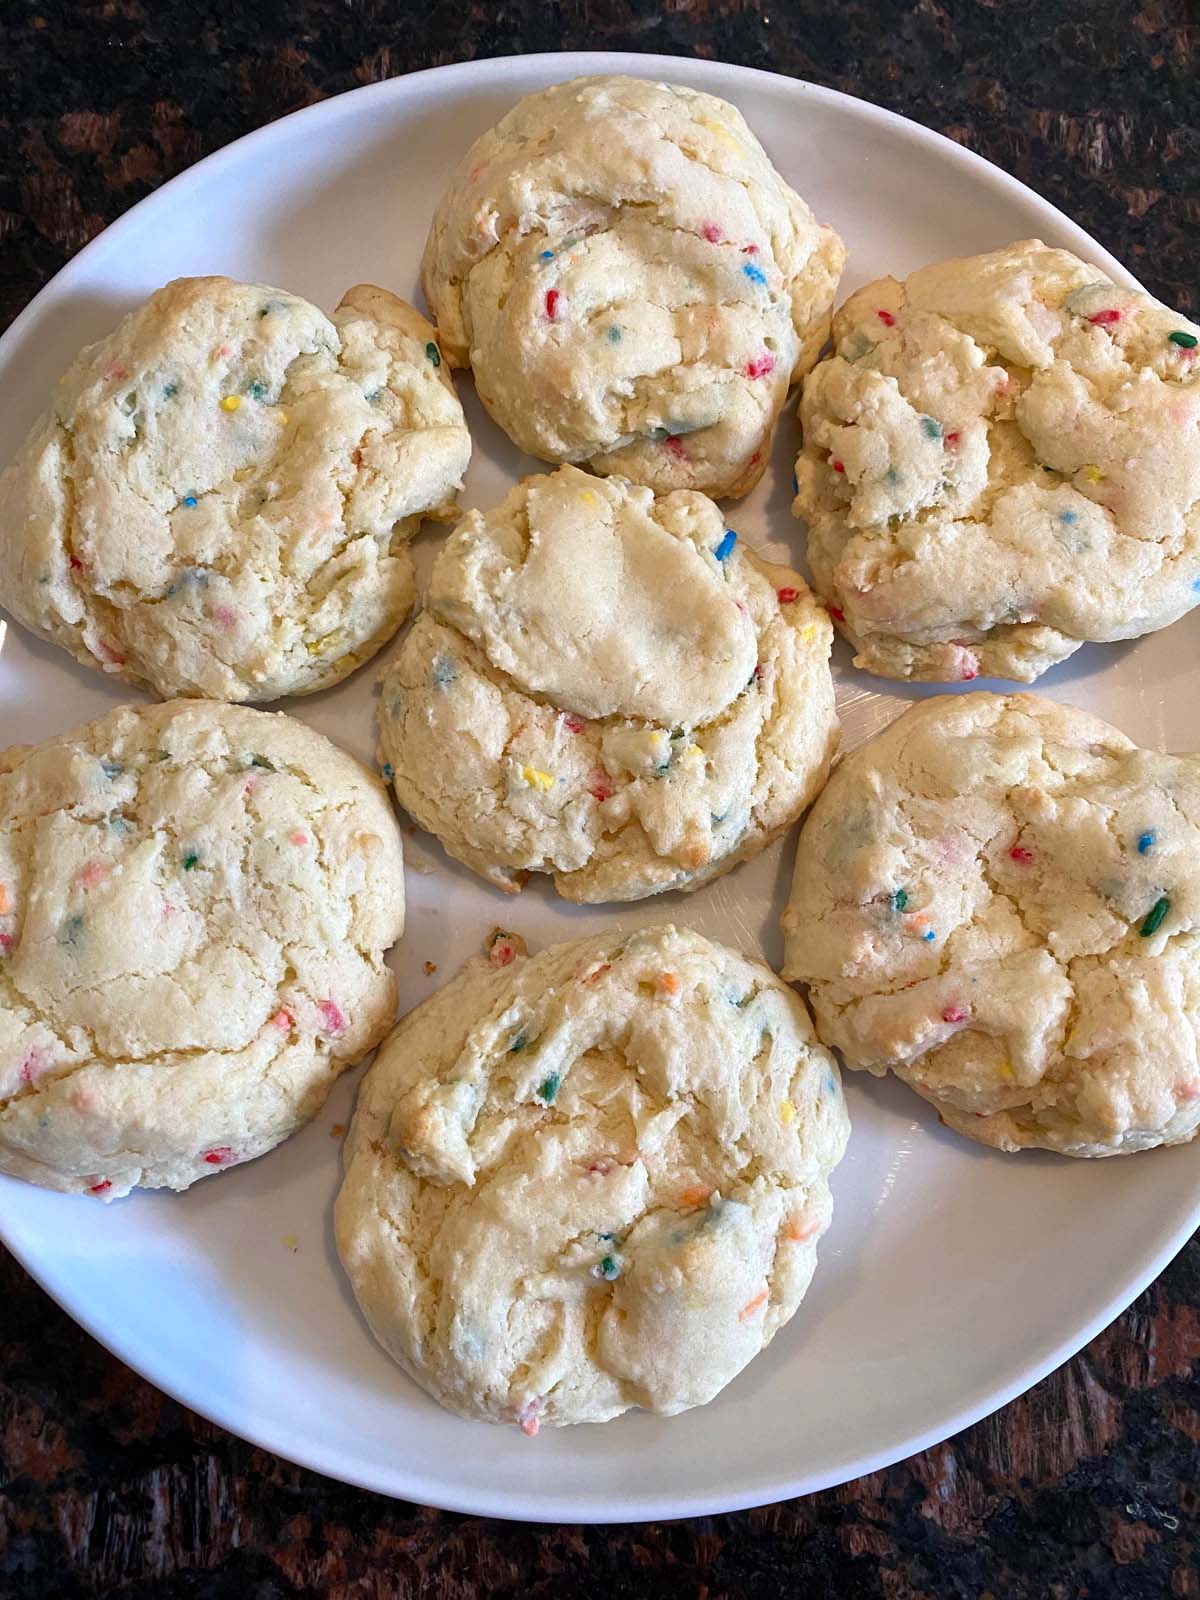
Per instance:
(761,366)
(76,564)
(950,440)
(1093,474)
(102,1187)
(600,786)
(429,968)
(5,900)
(548,1087)
(614,335)
(91,876)
(1145,843)
(519,1042)
(787,1112)
(1068,517)
(674,446)
(838,466)
(552,299)
(886,318)
(331,1016)
(1154,920)
(256,390)
(695,1195)
(725,548)
(1021,854)
(547,255)
(607,1269)
(527,1417)
(537,779)
(190,860)
(712,232)
(837,613)
(795,484)
(570,723)
(1104,319)
(1006,1070)
(668,983)
(1185,341)
(801,1228)
(226,616)
(231,402)
(786,595)
(220,1157)
(931,428)
(899,899)
(503,947)
(299,837)
(336,1130)
(290,1242)
(749,249)
(6,942)
(444,671)
(110,654)
(954,1014)
(751,1306)
(928,936)
(388,771)
(190,501)
(754,273)
(968,663)
(282,1020)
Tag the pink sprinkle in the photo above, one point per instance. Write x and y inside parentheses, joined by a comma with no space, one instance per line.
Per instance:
(6,942)
(224,350)
(837,613)
(600,785)
(756,458)
(94,873)
(956,1014)
(712,233)
(225,615)
(761,365)
(331,1016)
(33,1066)
(528,1418)
(1105,319)
(101,1188)
(967,662)
(251,783)
(1019,853)
(1188,1091)
(552,299)
(502,953)
(786,595)
(282,1020)
(169,910)
(110,654)
(570,723)
(299,837)
(886,318)
(220,1157)
(950,440)
(603,1167)
(674,446)
(474,173)
(117,371)
(749,249)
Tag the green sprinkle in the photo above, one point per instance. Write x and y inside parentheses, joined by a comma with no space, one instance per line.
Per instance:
(69,931)
(931,428)
(434,354)
(375,396)
(614,335)
(520,1040)
(899,899)
(261,761)
(388,771)
(256,390)
(608,1269)
(190,860)
(548,1087)
(112,769)
(1154,921)
(1185,341)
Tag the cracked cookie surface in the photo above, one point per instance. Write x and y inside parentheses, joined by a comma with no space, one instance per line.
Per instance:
(195,903)
(631,281)
(997,899)
(607,687)
(591,1179)
(1001,461)
(220,500)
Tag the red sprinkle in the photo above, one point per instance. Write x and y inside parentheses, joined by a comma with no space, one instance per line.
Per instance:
(6,941)
(1105,319)
(673,445)
(950,440)
(712,233)
(107,653)
(749,249)
(331,1016)
(501,954)
(299,837)
(837,613)
(571,724)
(1019,853)
(76,564)
(761,365)
(552,299)
(838,466)
(886,318)
(220,1157)
(786,595)
(956,1014)
(600,785)
(102,1187)
(756,458)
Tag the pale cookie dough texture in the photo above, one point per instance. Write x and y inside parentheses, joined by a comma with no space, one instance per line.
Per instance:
(195,902)
(1001,462)
(220,499)
(591,1180)
(632,282)
(605,686)
(998,899)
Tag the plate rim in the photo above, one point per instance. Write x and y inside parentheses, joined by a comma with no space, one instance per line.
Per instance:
(512,1504)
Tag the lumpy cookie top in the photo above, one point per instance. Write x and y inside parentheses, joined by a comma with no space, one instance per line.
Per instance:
(219,500)
(997,898)
(1001,461)
(590,1180)
(606,686)
(195,901)
(632,282)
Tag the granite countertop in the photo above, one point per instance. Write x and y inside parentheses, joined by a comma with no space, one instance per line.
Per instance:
(1086,1486)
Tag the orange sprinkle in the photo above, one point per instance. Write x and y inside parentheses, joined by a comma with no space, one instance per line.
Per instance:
(801,1227)
(696,1195)
(668,983)
(594,974)
(5,902)
(752,1306)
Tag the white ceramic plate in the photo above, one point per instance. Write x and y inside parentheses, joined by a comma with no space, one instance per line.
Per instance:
(952,1278)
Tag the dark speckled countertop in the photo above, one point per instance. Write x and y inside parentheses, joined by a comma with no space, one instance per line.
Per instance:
(1090,1484)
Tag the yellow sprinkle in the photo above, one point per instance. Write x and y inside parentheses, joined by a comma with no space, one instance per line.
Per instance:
(231,402)
(1092,474)
(536,778)
(291,1242)
(693,755)
(322,647)
(721,133)
(807,633)
(1005,1070)
(282,418)
(588,498)
(787,1111)
(657,739)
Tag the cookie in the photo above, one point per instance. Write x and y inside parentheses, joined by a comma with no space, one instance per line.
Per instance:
(997,899)
(1001,462)
(607,687)
(631,281)
(195,902)
(220,500)
(590,1180)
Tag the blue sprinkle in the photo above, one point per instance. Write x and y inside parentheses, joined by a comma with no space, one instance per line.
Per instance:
(388,771)
(443,671)
(830,1083)
(755,274)
(1145,842)
(375,396)
(547,255)
(892,475)
(189,500)
(717,820)
(1069,517)
(795,484)
(69,931)
(170,390)
(931,428)
(930,935)
(112,769)
(614,334)
(1196,585)
(725,548)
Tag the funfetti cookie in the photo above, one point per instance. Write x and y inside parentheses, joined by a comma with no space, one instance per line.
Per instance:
(997,899)
(631,281)
(610,688)
(220,498)
(590,1180)
(1001,461)
(195,904)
